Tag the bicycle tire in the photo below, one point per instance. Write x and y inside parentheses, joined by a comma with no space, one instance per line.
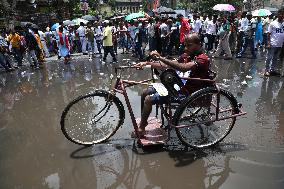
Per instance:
(95,130)
(201,107)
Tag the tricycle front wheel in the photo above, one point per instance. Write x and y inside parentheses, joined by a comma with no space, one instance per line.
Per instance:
(92,118)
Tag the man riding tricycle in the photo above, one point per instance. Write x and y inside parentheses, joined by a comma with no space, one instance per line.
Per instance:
(201,113)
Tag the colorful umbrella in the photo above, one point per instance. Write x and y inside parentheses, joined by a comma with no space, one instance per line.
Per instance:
(261,12)
(55,26)
(78,20)
(134,15)
(224,7)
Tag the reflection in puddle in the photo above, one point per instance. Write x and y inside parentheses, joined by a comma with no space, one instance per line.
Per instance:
(52,181)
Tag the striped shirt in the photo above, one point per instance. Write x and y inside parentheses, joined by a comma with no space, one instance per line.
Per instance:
(3,42)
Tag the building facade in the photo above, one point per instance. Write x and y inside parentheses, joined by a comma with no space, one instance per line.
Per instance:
(128,6)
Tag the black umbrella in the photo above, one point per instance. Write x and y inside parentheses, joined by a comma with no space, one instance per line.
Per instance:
(34,26)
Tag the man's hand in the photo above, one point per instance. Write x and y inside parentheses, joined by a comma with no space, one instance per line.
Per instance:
(155,55)
(141,65)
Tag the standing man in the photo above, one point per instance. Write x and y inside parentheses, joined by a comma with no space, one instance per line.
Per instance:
(4,60)
(211,28)
(275,39)
(164,28)
(81,31)
(266,23)
(224,33)
(91,41)
(184,30)
(196,25)
(107,41)
(15,40)
(151,35)
(249,36)
(98,36)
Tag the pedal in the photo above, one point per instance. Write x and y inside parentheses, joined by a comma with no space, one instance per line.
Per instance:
(155,135)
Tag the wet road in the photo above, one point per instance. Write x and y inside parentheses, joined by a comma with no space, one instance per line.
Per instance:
(34,153)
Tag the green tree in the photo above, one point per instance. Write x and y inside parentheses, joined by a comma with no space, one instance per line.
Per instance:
(8,9)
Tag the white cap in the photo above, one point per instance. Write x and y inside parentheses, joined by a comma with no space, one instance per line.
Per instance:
(106,21)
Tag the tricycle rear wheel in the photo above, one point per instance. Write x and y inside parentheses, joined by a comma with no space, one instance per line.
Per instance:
(197,114)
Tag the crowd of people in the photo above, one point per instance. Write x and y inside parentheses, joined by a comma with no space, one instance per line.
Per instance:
(222,36)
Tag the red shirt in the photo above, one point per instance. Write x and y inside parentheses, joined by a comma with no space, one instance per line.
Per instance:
(201,70)
(184,29)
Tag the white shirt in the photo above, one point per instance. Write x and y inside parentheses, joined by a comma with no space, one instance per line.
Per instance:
(276,30)
(81,31)
(164,29)
(244,24)
(196,25)
(132,31)
(151,30)
(211,27)
(99,33)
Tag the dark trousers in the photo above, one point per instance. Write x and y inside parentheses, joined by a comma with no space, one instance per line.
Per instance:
(170,46)
(164,43)
(240,37)
(18,55)
(4,61)
(152,44)
(99,45)
(247,42)
(211,40)
(109,49)
(138,49)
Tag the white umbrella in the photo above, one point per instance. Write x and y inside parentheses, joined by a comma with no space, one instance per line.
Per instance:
(89,17)
(79,20)
(68,22)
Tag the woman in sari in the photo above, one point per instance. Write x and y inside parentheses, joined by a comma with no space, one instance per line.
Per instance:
(64,48)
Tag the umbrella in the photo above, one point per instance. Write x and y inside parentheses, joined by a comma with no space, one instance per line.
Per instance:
(24,24)
(134,15)
(68,23)
(224,7)
(165,10)
(55,26)
(34,26)
(89,17)
(78,20)
(261,12)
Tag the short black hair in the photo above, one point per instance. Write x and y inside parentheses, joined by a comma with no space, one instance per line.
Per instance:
(179,15)
(280,10)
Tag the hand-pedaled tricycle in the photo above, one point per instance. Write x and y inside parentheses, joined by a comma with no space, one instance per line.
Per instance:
(201,119)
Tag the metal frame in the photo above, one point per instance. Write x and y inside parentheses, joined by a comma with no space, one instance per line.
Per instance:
(121,85)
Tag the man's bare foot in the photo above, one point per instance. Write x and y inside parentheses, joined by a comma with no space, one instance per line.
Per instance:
(141,132)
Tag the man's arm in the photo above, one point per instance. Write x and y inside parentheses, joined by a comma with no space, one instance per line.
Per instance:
(176,65)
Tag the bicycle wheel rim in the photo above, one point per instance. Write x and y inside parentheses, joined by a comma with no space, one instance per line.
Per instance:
(92,118)
(200,112)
